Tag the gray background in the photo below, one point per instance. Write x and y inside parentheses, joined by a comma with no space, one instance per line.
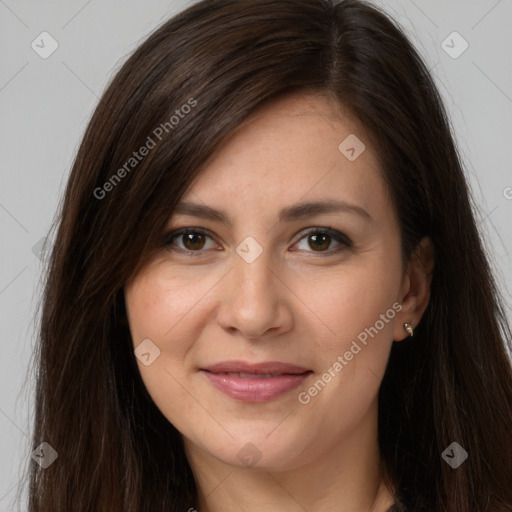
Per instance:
(46,103)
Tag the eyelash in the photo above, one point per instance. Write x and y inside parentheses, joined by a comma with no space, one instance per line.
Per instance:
(336,235)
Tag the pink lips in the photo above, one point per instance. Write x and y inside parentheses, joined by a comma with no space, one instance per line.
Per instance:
(255,382)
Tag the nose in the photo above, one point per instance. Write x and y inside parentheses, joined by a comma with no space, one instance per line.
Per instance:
(254,299)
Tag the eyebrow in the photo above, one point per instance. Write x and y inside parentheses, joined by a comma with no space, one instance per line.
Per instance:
(288,214)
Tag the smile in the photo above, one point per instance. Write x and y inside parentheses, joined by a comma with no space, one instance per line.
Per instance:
(255,388)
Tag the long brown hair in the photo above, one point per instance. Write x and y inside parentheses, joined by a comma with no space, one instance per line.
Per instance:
(451,382)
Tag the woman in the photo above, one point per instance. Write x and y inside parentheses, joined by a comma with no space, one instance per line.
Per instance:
(268,291)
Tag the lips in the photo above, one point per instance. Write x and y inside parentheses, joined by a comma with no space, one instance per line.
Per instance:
(269,368)
(255,382)
(251,375)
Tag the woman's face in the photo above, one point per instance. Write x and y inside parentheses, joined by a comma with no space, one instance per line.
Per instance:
(290,266)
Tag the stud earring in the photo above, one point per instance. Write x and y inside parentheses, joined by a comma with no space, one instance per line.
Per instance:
(409,327)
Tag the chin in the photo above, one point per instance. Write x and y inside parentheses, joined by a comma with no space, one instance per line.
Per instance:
(259,452)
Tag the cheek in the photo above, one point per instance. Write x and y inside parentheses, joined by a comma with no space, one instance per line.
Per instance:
(159,301)
(160,305)
(359,306)
(356,300)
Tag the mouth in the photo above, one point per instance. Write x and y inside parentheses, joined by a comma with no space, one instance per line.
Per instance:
(257,383)
(251,375)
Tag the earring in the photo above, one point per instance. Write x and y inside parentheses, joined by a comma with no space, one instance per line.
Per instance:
(409,327)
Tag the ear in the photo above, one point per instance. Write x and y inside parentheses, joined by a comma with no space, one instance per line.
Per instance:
(415,287)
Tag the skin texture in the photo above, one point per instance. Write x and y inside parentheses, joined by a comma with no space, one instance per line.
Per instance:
(298,302)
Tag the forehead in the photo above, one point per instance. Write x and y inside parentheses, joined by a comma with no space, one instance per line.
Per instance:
(293,147)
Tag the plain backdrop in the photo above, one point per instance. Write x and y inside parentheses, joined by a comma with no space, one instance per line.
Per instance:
(45,104)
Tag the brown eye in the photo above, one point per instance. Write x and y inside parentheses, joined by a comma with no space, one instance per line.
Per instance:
(193,241)
(319,242)
(323,240)
(189,240)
